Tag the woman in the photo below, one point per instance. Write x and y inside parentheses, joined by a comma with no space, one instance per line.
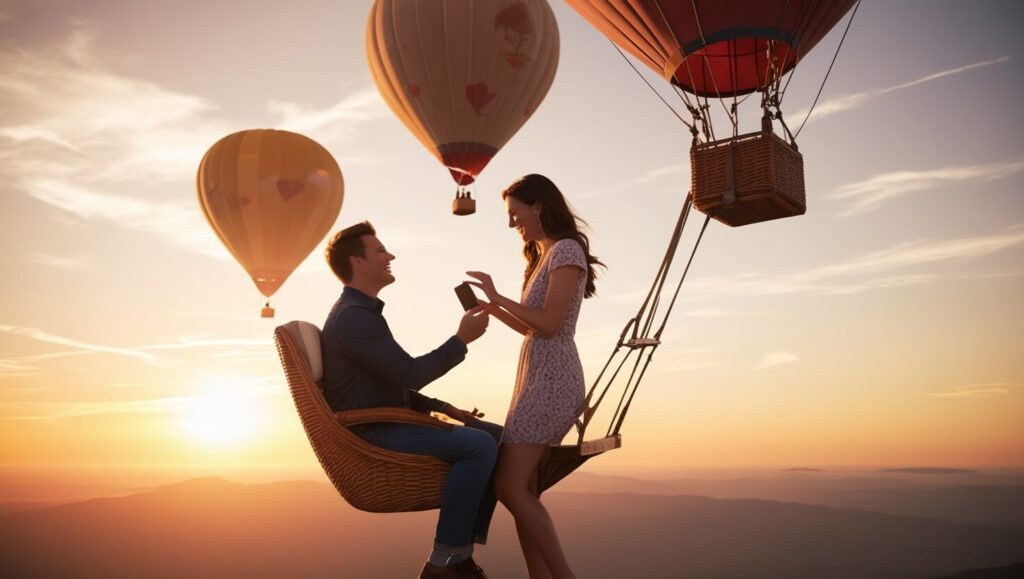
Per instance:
(549,392)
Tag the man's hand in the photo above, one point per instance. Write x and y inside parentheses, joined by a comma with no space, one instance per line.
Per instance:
(473,324)
(463,416)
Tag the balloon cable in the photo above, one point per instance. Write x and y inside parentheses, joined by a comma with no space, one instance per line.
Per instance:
(834,57)
(658,94)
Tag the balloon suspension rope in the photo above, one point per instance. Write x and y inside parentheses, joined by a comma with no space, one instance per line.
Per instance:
(635,339)
(834,57)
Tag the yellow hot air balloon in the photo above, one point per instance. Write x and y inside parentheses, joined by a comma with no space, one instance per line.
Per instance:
(270,196)
(462,76)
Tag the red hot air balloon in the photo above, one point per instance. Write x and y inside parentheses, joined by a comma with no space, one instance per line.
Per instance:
(724,49)
(462,76)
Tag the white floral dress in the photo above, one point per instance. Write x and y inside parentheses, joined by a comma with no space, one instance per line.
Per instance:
(550,390)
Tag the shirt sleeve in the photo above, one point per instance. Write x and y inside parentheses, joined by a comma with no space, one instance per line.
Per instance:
(425,404)
(567,252)
(368,341)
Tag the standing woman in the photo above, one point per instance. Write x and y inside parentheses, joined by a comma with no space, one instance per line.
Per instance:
(549,392)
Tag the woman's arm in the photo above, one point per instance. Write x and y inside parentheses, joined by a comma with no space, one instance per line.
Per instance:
(509,320)
(547,319)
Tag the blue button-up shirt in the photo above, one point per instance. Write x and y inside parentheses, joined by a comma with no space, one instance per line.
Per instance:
(364,367)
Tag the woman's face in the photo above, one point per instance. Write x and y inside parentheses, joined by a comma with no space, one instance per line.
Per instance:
(524,218)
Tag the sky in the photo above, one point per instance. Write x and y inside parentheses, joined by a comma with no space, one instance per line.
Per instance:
(883,327)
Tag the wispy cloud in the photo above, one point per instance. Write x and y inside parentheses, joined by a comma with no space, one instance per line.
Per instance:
(246,349)
(335,121)
(178,222)
(980,390)
(874,270)
(37,334)
(869,194)
(660,172)
(851,101)
(58,262)
(101,145)
(644,180)
(51,411)
(777,358)
(671,361)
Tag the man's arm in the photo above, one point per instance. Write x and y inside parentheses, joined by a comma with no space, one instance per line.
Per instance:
(366,338)
(425,404)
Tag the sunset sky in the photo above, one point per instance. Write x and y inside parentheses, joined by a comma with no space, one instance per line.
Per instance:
(884,327)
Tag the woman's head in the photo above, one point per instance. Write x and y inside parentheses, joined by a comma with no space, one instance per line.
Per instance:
(538,210)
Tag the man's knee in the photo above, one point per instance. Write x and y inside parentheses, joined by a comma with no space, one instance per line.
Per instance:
(480,445)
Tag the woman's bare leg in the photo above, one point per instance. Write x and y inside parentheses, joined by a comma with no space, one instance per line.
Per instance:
(535,565)
(517,467)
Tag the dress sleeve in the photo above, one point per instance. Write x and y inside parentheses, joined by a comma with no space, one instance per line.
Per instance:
(567,252)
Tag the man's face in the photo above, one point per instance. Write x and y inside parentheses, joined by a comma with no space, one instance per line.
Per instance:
(375,267)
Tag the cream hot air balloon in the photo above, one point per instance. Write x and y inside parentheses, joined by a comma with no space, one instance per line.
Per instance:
(270,196)
(462,76)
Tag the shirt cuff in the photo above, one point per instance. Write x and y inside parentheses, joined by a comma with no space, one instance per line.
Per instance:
(456,349)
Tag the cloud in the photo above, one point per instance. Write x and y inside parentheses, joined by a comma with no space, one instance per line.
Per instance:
(879,269)
(29,365)
(58,261)
(671,361)
(49,411)
(660,172)
(179,223)
(335,121)
(980,390)
(777,358)
(42,336)
(105,146)
(869,194)
(851,101)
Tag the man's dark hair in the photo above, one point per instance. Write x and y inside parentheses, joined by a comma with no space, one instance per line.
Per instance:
(345,244)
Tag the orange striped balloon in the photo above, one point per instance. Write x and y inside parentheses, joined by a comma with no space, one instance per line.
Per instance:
(270,196)
(463,76)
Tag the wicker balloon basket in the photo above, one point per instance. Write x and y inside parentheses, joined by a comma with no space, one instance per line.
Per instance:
(748,179)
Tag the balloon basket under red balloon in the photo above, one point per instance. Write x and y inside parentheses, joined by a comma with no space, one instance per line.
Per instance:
(463,204)
(267,311)
(748,179)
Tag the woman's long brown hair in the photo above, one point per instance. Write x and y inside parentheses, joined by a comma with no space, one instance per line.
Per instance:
(556,219)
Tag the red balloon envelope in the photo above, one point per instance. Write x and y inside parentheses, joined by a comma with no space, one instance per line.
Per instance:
(715,48)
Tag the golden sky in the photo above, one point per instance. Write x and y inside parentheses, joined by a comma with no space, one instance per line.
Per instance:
(882,328)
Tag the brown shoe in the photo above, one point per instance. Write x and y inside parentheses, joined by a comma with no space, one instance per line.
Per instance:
(467,569)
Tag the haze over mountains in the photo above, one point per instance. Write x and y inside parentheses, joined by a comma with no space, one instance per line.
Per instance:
(215,528)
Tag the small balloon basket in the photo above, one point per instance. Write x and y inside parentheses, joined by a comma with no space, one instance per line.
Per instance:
(748,179)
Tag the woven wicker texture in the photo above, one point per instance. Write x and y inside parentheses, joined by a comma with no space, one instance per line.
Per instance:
(368,477)
(767,177)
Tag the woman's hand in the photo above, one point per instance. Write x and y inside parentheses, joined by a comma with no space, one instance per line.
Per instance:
(484,283)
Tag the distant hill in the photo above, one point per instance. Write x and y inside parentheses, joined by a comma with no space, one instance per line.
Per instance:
(1015,571)
(997,505)
(215,528)
(928,470)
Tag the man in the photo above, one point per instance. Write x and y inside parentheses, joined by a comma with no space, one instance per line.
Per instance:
(364,367)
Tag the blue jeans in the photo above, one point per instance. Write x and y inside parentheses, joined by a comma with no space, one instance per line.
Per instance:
(467,502)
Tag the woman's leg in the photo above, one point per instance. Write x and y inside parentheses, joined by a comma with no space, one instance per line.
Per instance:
(535,565)
(517,467)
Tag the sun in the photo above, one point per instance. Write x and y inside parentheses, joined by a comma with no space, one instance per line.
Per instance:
(222,416)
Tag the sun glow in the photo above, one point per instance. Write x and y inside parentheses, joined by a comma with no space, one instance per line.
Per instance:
(225,414)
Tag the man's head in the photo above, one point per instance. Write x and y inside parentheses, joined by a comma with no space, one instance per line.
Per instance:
(358,258)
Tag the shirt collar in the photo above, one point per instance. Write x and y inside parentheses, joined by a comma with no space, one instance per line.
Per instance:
(352,294)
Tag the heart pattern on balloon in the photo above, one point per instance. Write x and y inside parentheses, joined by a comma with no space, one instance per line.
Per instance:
(244,201)
(414,89)
(289,188)
(479,96)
